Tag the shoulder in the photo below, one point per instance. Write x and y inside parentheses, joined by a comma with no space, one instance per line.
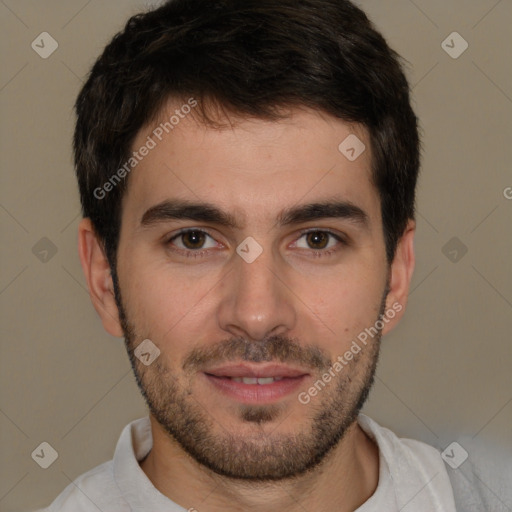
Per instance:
(400,451)
(416,469)
(92,491)
(477,474)
(482,479)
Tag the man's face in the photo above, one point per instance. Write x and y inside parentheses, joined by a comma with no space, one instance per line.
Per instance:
(226,322)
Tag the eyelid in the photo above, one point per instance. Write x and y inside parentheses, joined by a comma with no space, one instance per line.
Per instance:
(188,253)
(168,239)
(341,238)
(302,232)
(322,230)
(182,231)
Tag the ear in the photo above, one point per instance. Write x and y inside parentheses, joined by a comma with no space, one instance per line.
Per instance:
(401,271)
(99,280)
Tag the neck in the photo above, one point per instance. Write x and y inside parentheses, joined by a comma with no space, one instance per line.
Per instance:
(345,479)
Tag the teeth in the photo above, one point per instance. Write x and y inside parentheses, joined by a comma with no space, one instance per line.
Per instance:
(256,380)
(265,380)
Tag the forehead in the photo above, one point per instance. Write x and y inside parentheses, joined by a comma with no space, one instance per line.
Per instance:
(253,168)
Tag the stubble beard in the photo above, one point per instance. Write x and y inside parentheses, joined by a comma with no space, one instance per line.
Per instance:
(265,454)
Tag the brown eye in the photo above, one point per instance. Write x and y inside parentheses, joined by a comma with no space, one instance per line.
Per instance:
(193,239)
(317,239)
(321,242)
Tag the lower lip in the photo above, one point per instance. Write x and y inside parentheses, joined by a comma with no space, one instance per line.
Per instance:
(256,393)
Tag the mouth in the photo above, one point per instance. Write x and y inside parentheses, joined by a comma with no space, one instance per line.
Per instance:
(262,381)
(255,384)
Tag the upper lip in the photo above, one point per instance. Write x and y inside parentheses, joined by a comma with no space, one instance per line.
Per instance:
(258,370)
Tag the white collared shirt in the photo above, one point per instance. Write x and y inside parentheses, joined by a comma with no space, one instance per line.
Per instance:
(412,477)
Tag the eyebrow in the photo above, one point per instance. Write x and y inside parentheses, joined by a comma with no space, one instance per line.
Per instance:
(179,209)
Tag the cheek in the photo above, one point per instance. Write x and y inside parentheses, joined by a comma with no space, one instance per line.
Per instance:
(334,311)
(164,304)
(351,295)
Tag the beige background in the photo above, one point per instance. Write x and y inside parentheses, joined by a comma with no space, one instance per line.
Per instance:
(444,373)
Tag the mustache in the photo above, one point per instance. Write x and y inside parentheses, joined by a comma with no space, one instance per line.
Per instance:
(273,348)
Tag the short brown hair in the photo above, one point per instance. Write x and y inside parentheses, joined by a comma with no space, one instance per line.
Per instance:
(251,57)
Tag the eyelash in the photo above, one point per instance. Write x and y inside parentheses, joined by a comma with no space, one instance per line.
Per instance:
(318,253)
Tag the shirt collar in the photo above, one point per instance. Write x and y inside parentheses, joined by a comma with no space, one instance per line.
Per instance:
(133,446)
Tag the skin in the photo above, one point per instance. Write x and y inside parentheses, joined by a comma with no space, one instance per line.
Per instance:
(253,170)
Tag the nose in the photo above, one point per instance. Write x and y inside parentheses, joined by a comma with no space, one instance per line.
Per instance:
(256,301)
